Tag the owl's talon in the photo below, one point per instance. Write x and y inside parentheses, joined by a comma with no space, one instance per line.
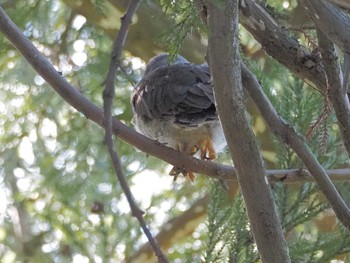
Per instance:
(194,149)
(207,150)
(190,176)
(177,121)
(161,143)
(175,171)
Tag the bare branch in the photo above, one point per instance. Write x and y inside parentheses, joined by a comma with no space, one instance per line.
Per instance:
(331,20)
(108,97)
(174,230)
(64,36)
(288,135)
(224,59)
(278,44)
(341,3)
(179,227)
(73,97)
(303,175)
(336,94)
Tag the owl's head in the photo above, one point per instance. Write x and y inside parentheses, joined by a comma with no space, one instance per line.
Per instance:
(161,61)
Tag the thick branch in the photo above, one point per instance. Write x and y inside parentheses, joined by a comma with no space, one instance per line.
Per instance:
(336,93)
(224,59)
(341,3)
(288,135)
(278,44)
(331,20)
(73,97)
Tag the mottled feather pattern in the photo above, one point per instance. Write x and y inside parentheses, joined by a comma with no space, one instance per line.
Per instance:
(174,104)
(186,99)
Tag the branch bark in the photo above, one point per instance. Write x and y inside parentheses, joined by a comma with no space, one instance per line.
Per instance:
(341,3)
(275,41)
(225,63)
(108,97)
(278,44)
(336,92)
(73,97)
(331,20)
(174,230)
(288,135)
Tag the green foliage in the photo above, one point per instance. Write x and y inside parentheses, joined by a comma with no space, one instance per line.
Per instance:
(300,206)
(60,200)
(302,209)
(99,5)
(229,238)
(186,19)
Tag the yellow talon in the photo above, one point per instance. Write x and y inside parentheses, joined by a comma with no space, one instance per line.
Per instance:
(207,150)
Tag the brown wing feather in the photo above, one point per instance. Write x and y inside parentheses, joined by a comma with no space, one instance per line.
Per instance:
(180,92)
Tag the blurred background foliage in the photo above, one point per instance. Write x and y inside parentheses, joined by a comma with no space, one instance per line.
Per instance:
(60,200)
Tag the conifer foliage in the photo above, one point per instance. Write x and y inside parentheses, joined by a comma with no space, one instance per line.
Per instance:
(60,200)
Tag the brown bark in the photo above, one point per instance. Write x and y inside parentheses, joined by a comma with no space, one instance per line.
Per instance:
(224,60)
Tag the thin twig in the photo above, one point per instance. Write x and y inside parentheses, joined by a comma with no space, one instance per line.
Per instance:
(300,28)
(62,48)
(108,97)
(173,230)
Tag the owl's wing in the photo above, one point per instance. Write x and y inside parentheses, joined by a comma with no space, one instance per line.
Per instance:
(181,93)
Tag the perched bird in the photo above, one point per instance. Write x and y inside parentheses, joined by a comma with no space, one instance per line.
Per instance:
(174,104)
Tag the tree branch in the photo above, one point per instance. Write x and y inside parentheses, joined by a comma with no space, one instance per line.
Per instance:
(224,60)
(278,44)
(331,20)
(341,3)
(288,135)
(94,113)
(275,41)
(174,230)
(108,97)
(336,93)
(73,97)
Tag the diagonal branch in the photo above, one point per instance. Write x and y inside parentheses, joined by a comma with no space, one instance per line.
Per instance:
(224,59)
(278,44)
(74,98)
(331,20)
(288,135)
(336,93)
(108,97)
(174,230)
(341,3)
